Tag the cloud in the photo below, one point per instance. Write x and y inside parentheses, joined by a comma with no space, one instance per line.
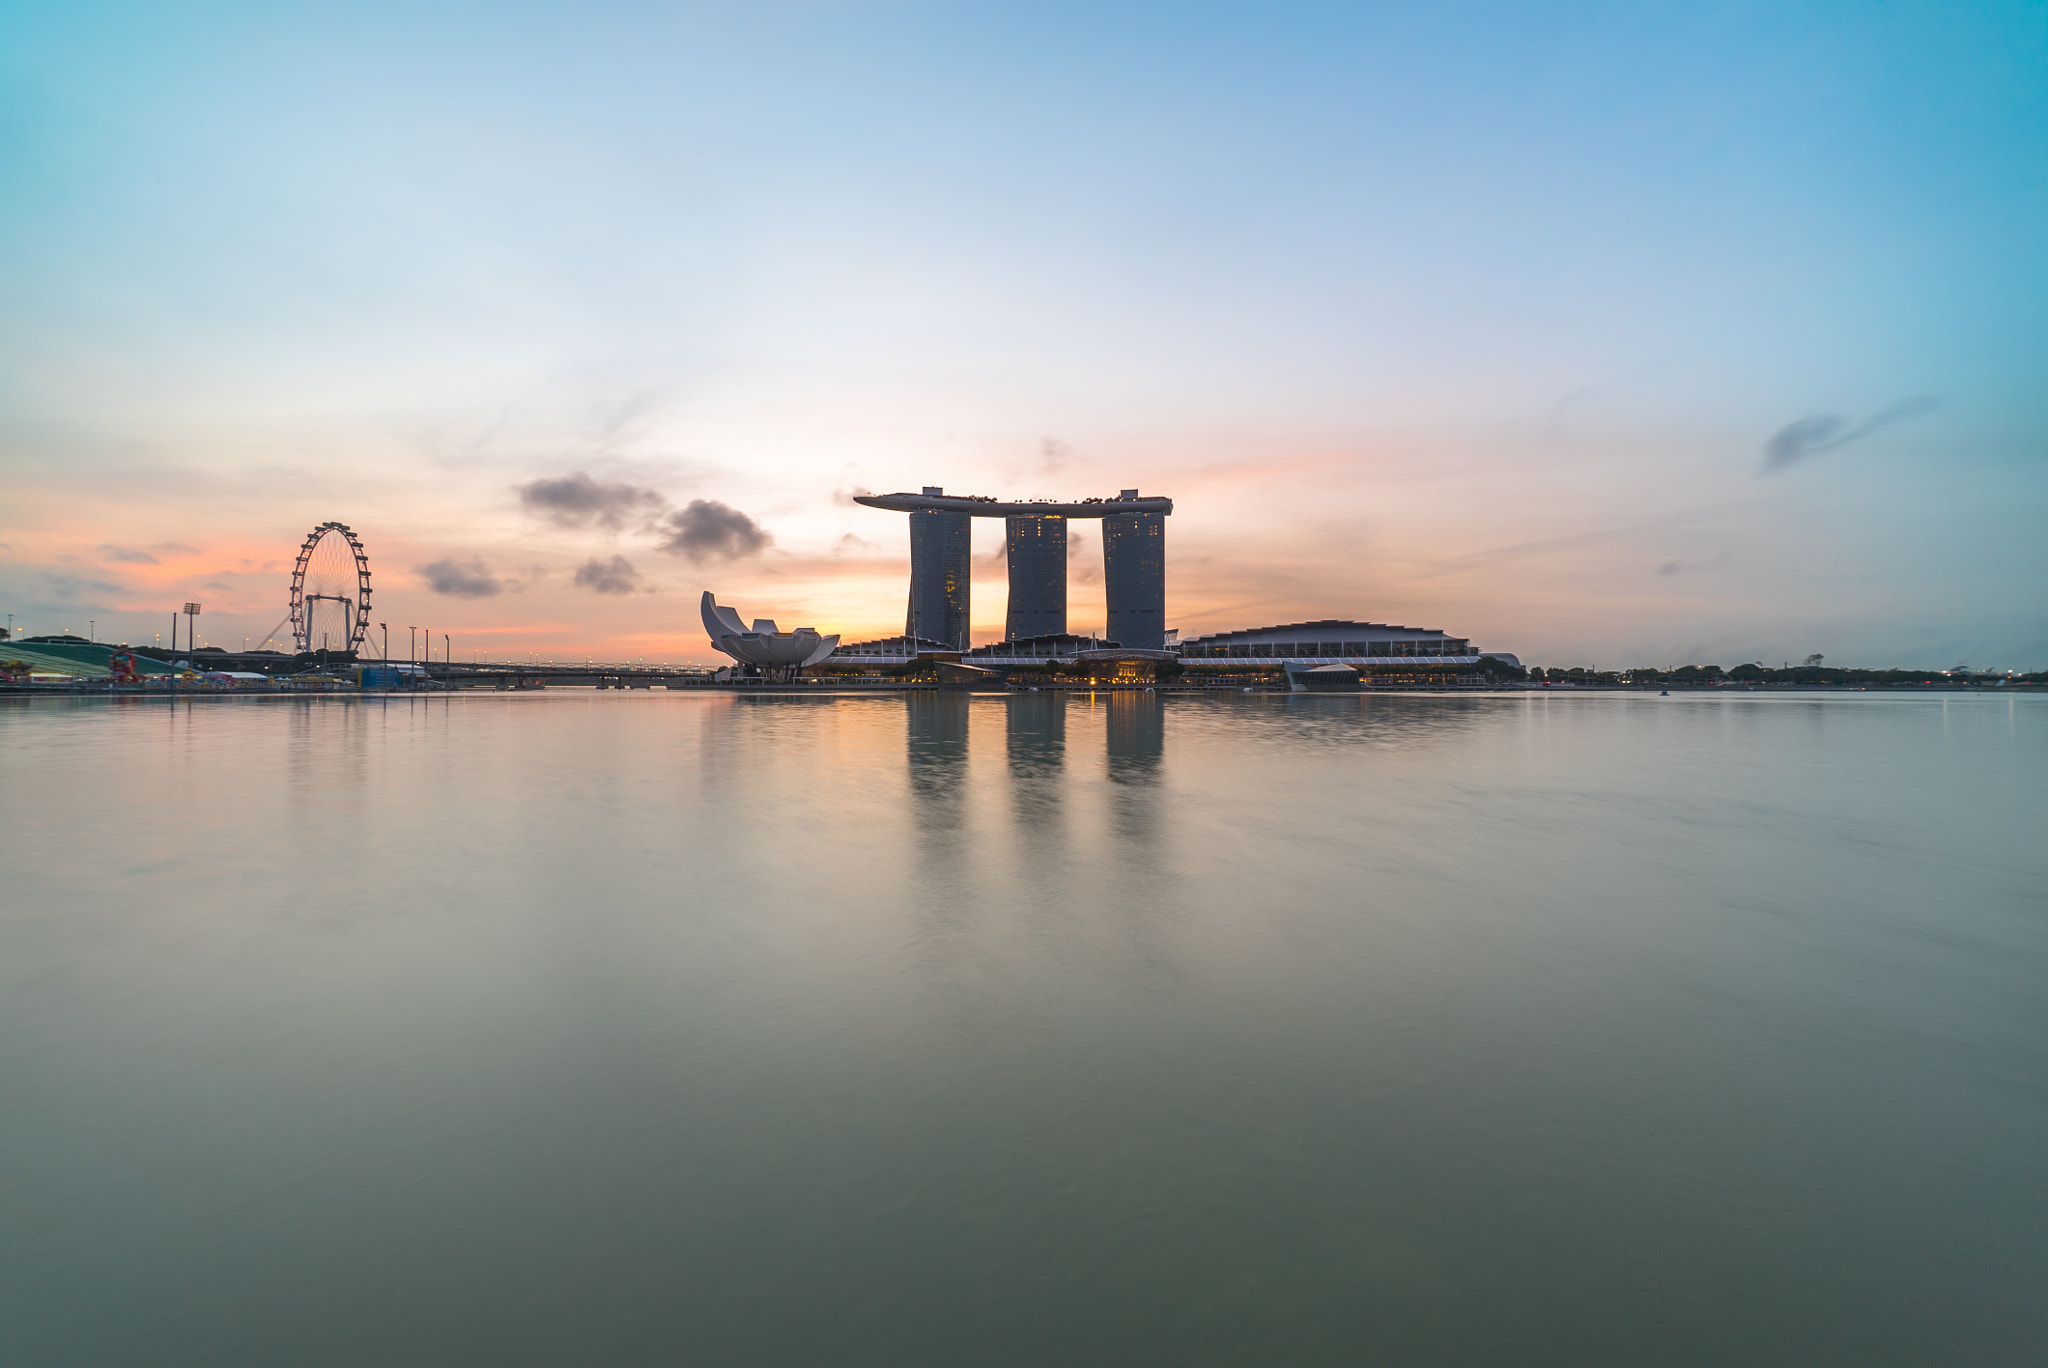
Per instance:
(845,497)
(579,501)
(122,553)
(1826,431)
(710,531)
(71,588)
(450,576)
(615,576)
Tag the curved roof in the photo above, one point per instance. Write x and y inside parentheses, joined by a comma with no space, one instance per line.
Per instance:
(1318,631)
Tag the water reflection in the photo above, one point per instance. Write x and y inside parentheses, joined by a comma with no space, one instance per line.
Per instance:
(867,1029)
(1035,741)
(935,728)
(1135,737)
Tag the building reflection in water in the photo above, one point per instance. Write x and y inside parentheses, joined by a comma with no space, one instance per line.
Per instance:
(936,746)
(1038,790)
(1136,743)
(1035,737)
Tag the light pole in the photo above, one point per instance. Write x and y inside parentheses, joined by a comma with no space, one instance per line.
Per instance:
(386,627)
(413,651)
(92,629)
(447,659)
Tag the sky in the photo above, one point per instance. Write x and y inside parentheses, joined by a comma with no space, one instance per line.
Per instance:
(1608,335)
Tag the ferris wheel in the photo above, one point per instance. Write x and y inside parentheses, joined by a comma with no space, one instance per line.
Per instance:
(330,590)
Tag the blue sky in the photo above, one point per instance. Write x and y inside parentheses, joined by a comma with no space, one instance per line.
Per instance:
(1480,317)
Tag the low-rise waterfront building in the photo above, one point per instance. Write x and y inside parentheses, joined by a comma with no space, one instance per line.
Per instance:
(1331,641)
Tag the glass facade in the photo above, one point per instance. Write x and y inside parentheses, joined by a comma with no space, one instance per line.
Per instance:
(1038,577)
(1134,567)
(941,545)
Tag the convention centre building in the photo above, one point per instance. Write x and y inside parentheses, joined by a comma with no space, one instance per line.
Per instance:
(1334,642)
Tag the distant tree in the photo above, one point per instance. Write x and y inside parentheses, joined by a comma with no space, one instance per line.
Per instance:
(1747,672)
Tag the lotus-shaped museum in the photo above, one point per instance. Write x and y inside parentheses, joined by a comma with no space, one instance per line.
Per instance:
(762,645)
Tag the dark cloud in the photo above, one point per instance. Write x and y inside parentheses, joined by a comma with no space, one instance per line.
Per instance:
(710,531)
(1826,431)
(1669,568)
(615,576)
(579,501)
(122,553)
(450,576)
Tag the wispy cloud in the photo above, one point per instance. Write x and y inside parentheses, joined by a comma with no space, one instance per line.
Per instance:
(127,555)
(1827,431)
(71,589)
(1477,560)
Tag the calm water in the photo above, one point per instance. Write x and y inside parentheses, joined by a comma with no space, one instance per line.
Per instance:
(639,1028)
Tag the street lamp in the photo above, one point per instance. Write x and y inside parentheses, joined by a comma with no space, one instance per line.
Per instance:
(413,651)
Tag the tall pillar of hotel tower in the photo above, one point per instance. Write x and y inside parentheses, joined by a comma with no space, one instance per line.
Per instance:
(941,545)
(1037,548)
(1134,576)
